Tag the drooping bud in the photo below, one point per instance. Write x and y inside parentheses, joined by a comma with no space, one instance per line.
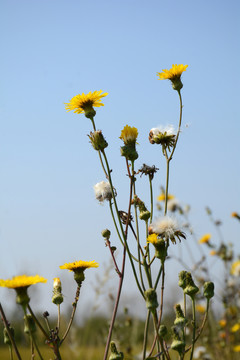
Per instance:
(180,318)
(115,355)
(208,289)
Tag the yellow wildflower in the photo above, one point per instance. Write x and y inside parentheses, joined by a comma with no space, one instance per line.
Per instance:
(153,239)
(200,308)
(22,281)
(86,102)
(235,215)
(236,348)
(83,265)
(235,268)
(129,134)
(213,252)
(222,323)
(161,197)
(175,72)
(205,239)
(235,328)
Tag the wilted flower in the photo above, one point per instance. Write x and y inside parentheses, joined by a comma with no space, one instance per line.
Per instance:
(84,103)
(97,140)
(174,74)
(103,191)
(148,170)
(163,135)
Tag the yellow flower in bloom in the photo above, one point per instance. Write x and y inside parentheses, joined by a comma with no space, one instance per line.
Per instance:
(213,252)
(236,348)
(161,197)
(200,308)
(79,265)
(85,102)
(22,281)
(205,239)
(174,73)
(129,134)
(153,239)
(235,215)
(222,323)
(235,268)
(235,328)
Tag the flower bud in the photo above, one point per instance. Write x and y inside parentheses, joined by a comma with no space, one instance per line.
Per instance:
(144,215)
(129,151)
(22,296)
(79,276)
(57,297)
(151,299)
(29,324)
(89,112)
(106,233)
(97,140)
(115,355)
(180,318)
(208,289)
(178,345)
(186,282)
(162,331)
(6,338)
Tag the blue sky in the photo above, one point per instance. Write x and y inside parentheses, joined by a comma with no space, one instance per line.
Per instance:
(53,50)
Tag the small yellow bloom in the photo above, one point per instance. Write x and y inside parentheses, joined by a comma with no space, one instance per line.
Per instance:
(235,268)
(57,283)
(153,239)
(200,308)
(205,239)
(235,328)
(213,252)
(235,215)
(174,73)
(236,348)
(222,323)
(85,102)
(161,197)
(129,134)
(81,265)
(22,281)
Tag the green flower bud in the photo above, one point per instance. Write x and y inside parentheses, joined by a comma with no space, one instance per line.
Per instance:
(89,112)
(182,279)
(129,151)
(144,215)
(115,355)
(208,289)
(162,331)
(179,346)
(6,338)
(186,282)
(180,318)
(97,140)
(151,299)
(29,324)
(177,83)
(106,233)
(161,249)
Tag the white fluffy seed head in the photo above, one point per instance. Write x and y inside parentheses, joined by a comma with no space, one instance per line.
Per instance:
(165,226)
(103,191)
(169,129)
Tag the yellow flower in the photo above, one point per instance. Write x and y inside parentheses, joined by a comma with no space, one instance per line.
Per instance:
(161,197)
(174,73)
(236,348)
(79,265)
(86,102)
(205,239)
(235,215)
(153,239)
(222,323)
(235,328)
(22,281)
(129,134)
(235,268)
(200,308)
(213,252)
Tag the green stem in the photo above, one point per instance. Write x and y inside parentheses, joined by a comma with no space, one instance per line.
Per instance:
(72,316)
(146,334)
(194,327)
(121,227)
(59,317)
(114,221)
(151,197)
(31,334)
(10,352)
(37,322)
(99,152)
(179,126)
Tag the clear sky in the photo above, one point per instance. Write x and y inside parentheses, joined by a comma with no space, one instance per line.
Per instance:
(53,50)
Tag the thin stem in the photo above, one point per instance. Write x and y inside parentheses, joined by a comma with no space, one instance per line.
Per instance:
(73,313)
(166,188)
(37,322)
(59,317)
(99,152)
(158,278)
(179,126)
(5,322)
(10,352)
(146,334)
(194,327)
(151,197)
(31,333)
